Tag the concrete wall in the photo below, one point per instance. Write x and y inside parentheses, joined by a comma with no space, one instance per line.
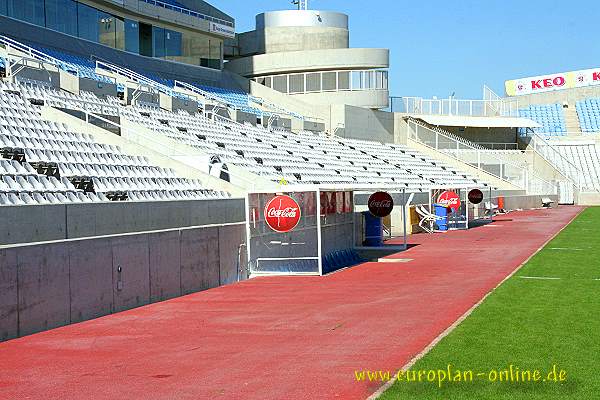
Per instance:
(361,123)
(37,223)
(47,285)
(310,60)
(375,99)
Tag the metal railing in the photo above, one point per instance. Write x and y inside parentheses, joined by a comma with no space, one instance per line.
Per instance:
(498,145)
(554,157)
(456,107)
(485,160)
(205,94)
(141,80)
(160,146)
(186,11)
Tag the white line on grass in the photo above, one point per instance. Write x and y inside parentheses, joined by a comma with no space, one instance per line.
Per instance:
(448,330)
(539,277)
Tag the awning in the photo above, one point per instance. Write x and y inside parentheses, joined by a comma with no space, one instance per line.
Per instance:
(478,122)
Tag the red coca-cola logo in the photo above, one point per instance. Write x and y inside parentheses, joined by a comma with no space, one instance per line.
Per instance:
(282,213)
(381,204)
(449,199)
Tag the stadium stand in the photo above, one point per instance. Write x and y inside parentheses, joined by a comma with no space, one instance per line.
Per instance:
(588,111)
(45,162)
(586,156)
(550,116)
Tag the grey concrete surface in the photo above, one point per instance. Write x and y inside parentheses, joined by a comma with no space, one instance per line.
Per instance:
(47,285)
(38,223)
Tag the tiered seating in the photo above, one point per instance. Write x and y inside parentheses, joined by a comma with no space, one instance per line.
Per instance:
(550,116)
(303,158)
(45,162)
(586,157)
(588,111)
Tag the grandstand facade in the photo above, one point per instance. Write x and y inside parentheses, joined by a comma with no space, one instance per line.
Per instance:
(132,125)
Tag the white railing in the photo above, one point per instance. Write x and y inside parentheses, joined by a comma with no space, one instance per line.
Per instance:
(159,146)
(553,156)
(141,80)
(457,107)
(485,160)
(187,11)
(498,145)
(205,94)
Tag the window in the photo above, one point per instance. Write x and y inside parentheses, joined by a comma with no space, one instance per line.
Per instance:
(343,80)
(86,22)
(3,7)
(27,10)
(329,81)
(132,36)
(173,43)
(297,83)
(158,42)
(61,16)
(280,83)
(107,29)
(313,82)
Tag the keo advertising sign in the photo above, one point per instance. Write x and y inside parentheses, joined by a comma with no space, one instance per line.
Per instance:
(549,83)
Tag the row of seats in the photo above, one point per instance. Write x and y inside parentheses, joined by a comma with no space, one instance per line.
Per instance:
(588,112)
(340,259)
(550,116)
(585,156)
(44,162)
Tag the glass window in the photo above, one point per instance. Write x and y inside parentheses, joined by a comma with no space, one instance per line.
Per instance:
(158,42)
(27,10)
(86,23)
(329,80)
(3,7)
(297,83)
(173,43)
(61,16)
(132,36)
(107,28)
(343,80)
(313,82)
(280,83)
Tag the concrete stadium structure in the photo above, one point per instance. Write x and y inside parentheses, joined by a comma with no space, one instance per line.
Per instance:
(129,144)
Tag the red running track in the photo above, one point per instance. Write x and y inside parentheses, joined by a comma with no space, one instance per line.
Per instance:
(283,337)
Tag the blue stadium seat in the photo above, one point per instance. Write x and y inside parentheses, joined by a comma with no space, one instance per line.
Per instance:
(588,111)
(550,116)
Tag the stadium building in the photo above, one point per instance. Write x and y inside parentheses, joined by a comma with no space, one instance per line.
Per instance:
(149,150)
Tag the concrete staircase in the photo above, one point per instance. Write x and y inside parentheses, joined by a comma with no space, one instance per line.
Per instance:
(571,119)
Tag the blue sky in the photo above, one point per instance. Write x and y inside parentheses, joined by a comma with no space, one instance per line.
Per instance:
(444,46)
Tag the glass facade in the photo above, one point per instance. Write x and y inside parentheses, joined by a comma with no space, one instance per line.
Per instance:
(86,22)
(326,81)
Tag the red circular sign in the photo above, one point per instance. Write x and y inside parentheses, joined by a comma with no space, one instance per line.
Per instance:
(282,213)
(475,196)
(449,199)
(381,204)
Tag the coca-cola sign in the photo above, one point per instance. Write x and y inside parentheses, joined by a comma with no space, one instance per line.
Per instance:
(449,199)
(381,204)
(282,213)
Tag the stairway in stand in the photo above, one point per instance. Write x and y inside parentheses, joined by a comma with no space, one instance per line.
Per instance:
(571,119)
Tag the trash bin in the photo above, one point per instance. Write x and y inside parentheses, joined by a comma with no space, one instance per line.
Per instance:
(373,230)
(441,211)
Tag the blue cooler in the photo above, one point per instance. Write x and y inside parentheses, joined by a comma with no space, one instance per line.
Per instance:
(441,211)
(373,230)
